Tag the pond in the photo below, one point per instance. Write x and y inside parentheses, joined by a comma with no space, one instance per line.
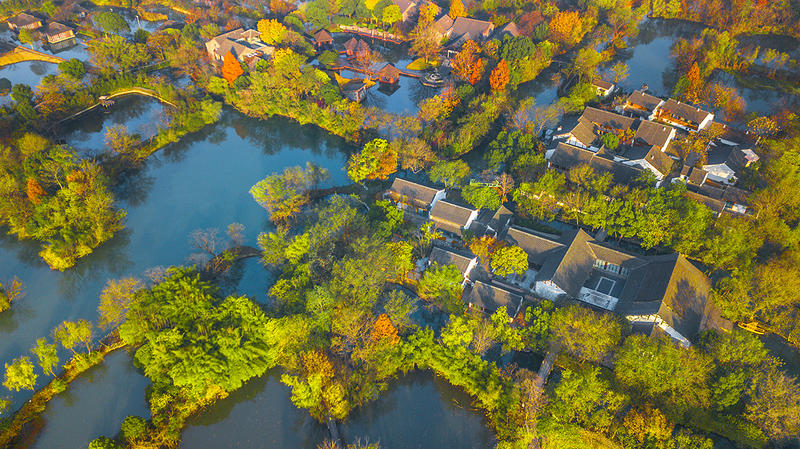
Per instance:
(141,115)
(201,182)
(418,410)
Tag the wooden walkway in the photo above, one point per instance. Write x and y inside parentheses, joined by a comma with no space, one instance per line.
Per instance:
(104,100)
(372,74)
(373,34)
(547,364)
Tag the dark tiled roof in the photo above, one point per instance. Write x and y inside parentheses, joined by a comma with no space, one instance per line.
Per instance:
(56,28)
(697,176)
(570,271)
(643,100)
(607,119)
(470,28)
(501,219)
(404,5)
(685,112)
(584,132)
(538,247)
(671,287)
(444,256)
(567,157)
(741,158)
(450,216)
(736,195)
(659,160)
(652,133)
(443,23)
(509,29)
(23,19)
(490,298)
(418,193)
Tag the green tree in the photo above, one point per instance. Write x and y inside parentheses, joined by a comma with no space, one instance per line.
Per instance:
(584,333)
(133,428)
(103,443)
(660,371)
(111,22)
(399,306)
(115,299)
(70,333)
(20,375)
(47,355)
(481,196)
(73,67)
(584,398)
(775,405)
(377,160)
(442,286)
(508,260)
(140,36)
(26,36)
(449,173)
(391,15)
(283,195)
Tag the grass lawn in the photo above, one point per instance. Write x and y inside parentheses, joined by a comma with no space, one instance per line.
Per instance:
(421,64)
(20,55)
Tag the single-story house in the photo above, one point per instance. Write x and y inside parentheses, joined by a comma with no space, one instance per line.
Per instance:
(408,9)
(243,44)
(413,197)
(24,21)
(565,157)
(602,87)
(57,32)
(443,25)
(724,162)
(591,126)
(665,292)
(510,29)
(500,221)
(490,298)
(684,116)
(649,158)
(466,29)
(642,104)
(465,263)
(452,217)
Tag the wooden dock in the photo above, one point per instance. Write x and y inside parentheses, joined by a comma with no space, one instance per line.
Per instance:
(373,75)
(22,54)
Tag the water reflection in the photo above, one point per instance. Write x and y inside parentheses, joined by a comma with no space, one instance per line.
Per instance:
(94,405)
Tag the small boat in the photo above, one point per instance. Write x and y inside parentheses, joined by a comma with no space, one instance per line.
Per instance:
(645,87)
(432,79)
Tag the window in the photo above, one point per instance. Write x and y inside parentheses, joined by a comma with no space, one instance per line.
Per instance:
(611,268)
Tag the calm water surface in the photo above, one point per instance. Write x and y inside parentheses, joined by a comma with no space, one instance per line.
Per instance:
(201,182)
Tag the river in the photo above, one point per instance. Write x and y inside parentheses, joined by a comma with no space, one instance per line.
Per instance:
(201,182)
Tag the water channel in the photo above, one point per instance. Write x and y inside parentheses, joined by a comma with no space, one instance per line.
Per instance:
(201,182)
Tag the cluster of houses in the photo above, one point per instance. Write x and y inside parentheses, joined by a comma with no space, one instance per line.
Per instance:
(646,128)
(657,294)
(57,34)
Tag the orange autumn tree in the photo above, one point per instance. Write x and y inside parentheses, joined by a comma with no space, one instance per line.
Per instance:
(500,75)
(231,69)
(477,72)
(34,191)
(694,83)
(456,9)
(384,330)
(378,160)
(464,61)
